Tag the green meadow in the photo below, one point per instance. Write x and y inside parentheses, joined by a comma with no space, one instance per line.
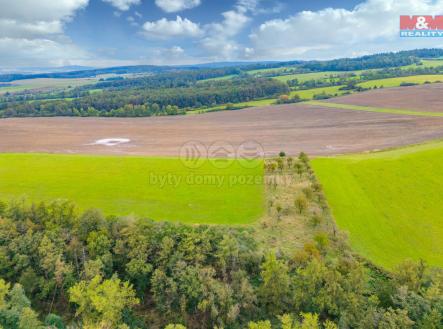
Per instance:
(396,82)
(302,77)
(390,202)
(303,94)
(157,188)
(425,63)
(309,93)
(46,83)
(256,103)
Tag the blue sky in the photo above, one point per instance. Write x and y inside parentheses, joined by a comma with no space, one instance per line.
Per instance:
(126,32)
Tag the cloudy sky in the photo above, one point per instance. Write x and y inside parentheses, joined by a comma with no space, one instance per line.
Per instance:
(126,32)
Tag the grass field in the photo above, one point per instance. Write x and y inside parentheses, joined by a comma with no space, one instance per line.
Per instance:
(131,185)
(309,93)
(225,77)
(33,84)
(270,70)
(313,76)
(395,82)
(260,102)
(425,63)
(375,109)
(304,94)
(390,202)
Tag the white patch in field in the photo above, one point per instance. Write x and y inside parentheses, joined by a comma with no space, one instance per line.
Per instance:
(111,141)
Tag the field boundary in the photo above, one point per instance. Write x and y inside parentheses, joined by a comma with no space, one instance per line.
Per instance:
(374,109)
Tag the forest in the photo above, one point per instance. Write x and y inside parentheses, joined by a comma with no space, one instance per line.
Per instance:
(145,101)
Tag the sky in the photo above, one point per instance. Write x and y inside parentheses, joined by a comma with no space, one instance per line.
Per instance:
(99,33)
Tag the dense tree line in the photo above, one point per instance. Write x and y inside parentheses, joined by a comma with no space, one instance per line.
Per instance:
(146,102)
(173,79)
(375,61)
(110,272)
(384,60)
(168,80)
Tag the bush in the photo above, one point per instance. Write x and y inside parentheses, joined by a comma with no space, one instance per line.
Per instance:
(408,84)
(54,321)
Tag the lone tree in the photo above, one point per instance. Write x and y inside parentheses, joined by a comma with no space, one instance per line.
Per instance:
(299,169)
(301,204)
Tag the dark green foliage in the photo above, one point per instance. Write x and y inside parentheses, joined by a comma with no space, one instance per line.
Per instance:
(201,276)
(54,321)
(139,101)
(401,58)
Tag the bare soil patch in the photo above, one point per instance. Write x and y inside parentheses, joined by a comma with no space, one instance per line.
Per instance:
(425,98)
(292,128)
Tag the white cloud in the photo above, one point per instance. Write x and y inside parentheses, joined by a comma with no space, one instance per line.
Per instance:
(132,21)
(372,26)
(32,32)
(38,52)
(220,38)
(174,53)
(172,6)
(42,10)
(19,29)
(123,5)
(164,28)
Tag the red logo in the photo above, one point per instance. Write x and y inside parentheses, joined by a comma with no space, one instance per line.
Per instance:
(421,23)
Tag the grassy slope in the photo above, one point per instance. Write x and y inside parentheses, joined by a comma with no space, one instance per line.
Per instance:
(426,63)
(375,109)
(395,82)
(305,94)
(325,75)
(309,93)
(123,185)
(391,202)
(32,84)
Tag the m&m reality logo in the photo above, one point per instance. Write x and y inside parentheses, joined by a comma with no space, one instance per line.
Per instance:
(424,26)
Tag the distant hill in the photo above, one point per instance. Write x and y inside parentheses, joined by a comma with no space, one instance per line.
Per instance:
(344,64)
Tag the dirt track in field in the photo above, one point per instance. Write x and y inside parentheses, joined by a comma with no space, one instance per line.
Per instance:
(292,128)
(427,98)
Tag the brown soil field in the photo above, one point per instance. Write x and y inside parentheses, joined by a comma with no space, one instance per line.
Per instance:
(291,128)
(428,98)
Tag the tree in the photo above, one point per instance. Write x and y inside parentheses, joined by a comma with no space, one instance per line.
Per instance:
(102,302)
(410,274)
(309,321)
(53,321)
(228,254)
(175,326)
(393,319)
(29,320)
(275,287)
(4,289)
(299,168)
(15,309)
(260,325)
(287,322)
(301,203)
